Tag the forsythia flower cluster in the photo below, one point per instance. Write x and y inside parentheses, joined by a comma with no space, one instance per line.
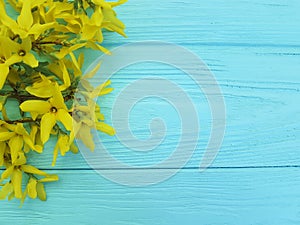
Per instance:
(40,73)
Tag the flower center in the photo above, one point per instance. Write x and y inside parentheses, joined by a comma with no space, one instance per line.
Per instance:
(53,110)
(22,53)
(2,59)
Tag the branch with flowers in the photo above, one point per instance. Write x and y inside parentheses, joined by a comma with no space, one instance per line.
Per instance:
(40,71)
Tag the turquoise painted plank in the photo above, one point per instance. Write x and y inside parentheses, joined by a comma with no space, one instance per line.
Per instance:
(215,22)
(216,197)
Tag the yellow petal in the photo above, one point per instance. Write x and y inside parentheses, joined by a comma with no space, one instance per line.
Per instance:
(66,76)
(4,70)
(43,88)
(114,4)
(97,17)
(22,200)
(2,150)
(33,170)
(25,19)
(38,29)
(66,50)
(75,128)
(85,135)
(50,178)
(64,117)
(26,44)
(92,72)
(6,174)
(19,129)
(41,193)
(57,100)
(14,58)
(32,188)
(30,60)
(81,59)
(33,132)
(55,154)
(34,115)
(43,92)
(38,148)
(99,116)
(105,91)
(11,196)
(95,46)
(88,31)
(63,143)
(15,145)
(8,21)
(28,140)
(4,136)
(6,189)
(74,148)
(16,180)
(38,106)
(101,126)
(21,160)
(75,64)
(47,123)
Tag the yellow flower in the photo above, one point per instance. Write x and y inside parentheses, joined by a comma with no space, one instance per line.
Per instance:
(23,53)
(35,138)
(61,71)
(42,88)
(67,50)
(85,121)
(33,189)
(83,25)
(102,89)
(15,174)
(63,144)
(82,130)
(54,10)
(75,64)
(52,111)
(6,59)
(45,86)
(17,137)
(25,25)
(89,91)
(110,21)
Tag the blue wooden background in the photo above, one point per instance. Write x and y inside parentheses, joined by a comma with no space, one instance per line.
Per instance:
(253,48)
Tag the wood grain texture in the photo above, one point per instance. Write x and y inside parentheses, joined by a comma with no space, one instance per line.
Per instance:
(253,49)
(231,196)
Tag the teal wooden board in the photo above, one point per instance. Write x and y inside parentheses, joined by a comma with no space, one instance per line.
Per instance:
(218,196)
(253,49)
